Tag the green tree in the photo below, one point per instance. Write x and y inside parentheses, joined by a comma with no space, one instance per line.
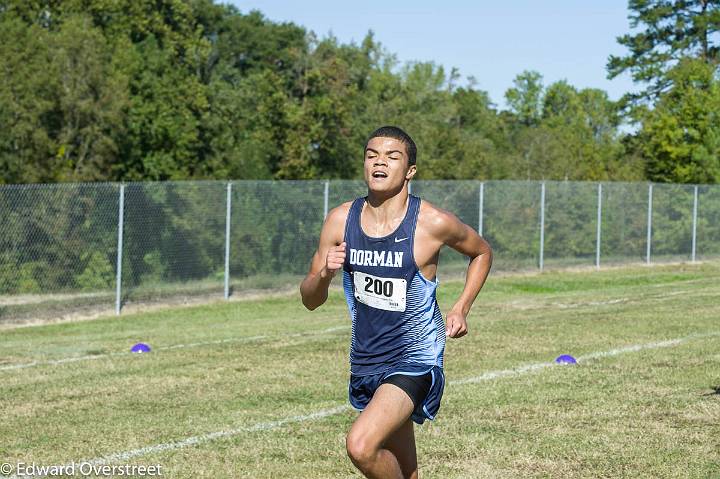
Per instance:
(582,127)
(525,98)
(26,92)
(163,139)
(669,31)
(192,89)
(572,135)
(63,102)
(91,102)
(680,137)
(327,99)
(483,146)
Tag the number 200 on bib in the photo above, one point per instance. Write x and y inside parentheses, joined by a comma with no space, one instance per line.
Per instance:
(381,293)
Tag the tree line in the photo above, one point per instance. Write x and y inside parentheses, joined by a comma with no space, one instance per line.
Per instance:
(126,90)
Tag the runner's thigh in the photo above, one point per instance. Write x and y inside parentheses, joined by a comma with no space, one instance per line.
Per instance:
(387,411)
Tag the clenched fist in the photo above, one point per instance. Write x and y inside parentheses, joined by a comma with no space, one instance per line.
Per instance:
(455,325)
(335,259)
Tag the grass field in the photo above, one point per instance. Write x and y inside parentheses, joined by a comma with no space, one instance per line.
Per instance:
(258,388)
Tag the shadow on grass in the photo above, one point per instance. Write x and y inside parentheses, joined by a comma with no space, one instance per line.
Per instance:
(715,392)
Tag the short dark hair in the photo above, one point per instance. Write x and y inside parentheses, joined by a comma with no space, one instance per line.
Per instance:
(397,134)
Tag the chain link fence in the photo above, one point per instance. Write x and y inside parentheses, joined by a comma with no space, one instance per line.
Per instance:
(88,249)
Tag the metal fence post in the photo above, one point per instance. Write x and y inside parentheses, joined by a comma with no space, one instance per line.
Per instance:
(542,224)
(481,208)
(118,269)
(228,206)
(599,226)
(327,192)
(694,223)
(649,223)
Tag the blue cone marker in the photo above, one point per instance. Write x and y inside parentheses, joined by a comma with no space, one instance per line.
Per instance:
(140,348)
(565,359)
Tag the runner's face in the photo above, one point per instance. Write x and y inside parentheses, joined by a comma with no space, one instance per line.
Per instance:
(386,164)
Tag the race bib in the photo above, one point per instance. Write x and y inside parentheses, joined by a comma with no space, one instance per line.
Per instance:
(381,293)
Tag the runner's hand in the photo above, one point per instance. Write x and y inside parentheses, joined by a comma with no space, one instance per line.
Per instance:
(335,259)
(455,325)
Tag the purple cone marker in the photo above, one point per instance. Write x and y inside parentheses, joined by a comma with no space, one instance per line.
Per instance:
(140,348)
(565,359)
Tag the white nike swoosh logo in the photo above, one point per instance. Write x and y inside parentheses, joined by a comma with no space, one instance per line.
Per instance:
(401,239)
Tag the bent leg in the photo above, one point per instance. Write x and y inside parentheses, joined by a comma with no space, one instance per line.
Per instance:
(402,444)
(387,414)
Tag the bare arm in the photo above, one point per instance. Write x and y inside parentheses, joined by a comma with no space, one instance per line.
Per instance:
(463,239)
(327,260)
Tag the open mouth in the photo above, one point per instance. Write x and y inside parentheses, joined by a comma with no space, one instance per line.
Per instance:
(379,174)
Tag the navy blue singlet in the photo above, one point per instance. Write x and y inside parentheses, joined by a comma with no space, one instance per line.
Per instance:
(394,313)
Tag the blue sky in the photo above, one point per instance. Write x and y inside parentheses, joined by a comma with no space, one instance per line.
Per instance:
(492,41)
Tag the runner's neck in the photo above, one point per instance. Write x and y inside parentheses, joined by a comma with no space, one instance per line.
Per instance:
(387,213)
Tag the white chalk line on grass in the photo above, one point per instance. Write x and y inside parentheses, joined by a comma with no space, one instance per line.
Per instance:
(265,426)
(90,357)
(244,339)
(195,440)
(586,357)
(637,300)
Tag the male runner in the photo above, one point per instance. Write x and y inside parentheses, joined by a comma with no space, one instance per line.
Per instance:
(388,244)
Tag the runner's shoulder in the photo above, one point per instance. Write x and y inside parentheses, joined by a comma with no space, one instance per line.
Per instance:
(340,212)
(337,216)
(435,220)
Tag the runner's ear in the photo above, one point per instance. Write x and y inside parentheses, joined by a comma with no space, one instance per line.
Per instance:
(410,172)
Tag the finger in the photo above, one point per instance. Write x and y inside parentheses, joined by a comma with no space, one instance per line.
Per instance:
(336,261)
(337,256)
(456,328)
(449,328)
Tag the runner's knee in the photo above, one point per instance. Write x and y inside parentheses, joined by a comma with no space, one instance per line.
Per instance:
(359,449)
